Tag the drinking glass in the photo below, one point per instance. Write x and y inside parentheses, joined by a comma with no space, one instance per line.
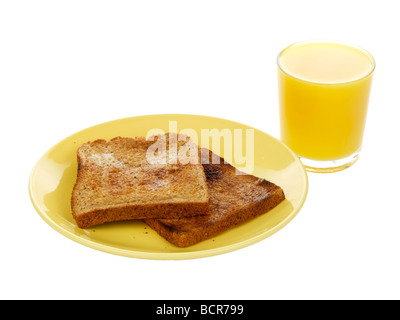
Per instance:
(324,89)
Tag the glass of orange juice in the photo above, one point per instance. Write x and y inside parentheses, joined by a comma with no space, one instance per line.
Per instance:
(324,90)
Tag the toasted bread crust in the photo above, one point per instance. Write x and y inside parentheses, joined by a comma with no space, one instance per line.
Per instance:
(234,199)
(115,182)
(131,212)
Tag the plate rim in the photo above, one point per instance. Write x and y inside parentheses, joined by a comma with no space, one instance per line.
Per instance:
(166,255)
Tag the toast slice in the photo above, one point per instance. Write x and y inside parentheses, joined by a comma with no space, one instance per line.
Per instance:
(126,178)
(234,199)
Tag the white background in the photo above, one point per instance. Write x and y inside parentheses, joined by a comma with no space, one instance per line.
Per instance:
(68,65)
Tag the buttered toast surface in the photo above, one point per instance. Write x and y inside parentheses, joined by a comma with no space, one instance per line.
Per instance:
(121,180)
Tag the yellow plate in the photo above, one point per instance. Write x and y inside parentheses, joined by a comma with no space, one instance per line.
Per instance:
(53,178)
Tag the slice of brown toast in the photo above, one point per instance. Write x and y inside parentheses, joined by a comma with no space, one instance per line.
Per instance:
(124,179)
(234,199)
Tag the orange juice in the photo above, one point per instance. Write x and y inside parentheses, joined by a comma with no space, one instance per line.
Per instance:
(323,93)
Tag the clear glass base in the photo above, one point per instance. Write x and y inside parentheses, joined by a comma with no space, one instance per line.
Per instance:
(322,166)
